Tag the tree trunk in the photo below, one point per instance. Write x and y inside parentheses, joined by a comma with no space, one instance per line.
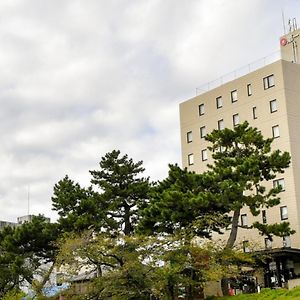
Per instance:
(234,228)
(127,223)
(171,292)
(45,278)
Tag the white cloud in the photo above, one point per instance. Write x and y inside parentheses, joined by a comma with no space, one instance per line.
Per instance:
(80,78)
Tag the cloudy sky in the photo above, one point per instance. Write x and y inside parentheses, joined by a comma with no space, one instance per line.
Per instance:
(79,78)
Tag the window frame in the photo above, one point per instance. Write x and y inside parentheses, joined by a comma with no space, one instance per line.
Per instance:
(201,109)
(234,96)
(249,89)
(246,247)
(221,121)
(267,82)
(264,216)
(191,159)
(204,154)
(234,119)
(274,128)
(284,216)
(268,243)
(271,107)
(254,112)
(279,182)
(219,102)
(244,220)
(222,149)
(189,137)
(286,241)
(202,130)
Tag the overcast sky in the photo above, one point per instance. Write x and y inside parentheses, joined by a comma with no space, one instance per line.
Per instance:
(81,78)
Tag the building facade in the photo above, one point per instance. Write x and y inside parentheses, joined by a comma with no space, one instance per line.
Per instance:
(269,99)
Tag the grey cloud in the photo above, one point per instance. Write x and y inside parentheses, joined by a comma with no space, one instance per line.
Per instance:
(80,78)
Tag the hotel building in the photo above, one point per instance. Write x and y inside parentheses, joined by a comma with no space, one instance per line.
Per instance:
(269,99)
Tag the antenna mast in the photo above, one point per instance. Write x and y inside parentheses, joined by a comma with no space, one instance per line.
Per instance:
(283,21)
(28,200)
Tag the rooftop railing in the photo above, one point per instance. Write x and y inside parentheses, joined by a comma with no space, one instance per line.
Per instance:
(262,62)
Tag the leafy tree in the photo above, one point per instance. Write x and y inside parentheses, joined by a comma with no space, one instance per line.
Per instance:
(116,262)
(14,295)
(140,267)
(243,163)
(78,208)
(113,201)
(23,250)
(198,204)
(123,190)
(13,270)
(183,203)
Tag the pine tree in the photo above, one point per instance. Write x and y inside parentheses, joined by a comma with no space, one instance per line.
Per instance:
(123,190)
(243,163)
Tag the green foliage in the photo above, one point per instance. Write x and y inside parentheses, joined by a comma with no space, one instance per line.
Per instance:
(137,267)
(118,261)
(98,230)
(199,204)
(35,238)
(78,208)
(118,195)
(280,229)
(243,163)
(14,294)
(123,190)
(268,294)
(23,249)
(183,202)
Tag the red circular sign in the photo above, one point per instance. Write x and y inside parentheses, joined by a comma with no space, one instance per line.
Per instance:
(283,41)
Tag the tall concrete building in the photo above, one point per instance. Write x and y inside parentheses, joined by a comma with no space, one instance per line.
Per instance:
(269,99)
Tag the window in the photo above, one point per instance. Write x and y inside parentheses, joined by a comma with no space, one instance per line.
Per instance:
(268,243)
(189,137)
(235,119)
(275,131)
(246,246)
(219,102)
(264,216)
(279,183)
(269,82)
(202,132)
(254,112)
(201,109)
(286,241)
(190,159)
(204,154)
(234,96)
(249,89)
(222,149)
(284,213)
(244,220)
(221,124)
(273,105)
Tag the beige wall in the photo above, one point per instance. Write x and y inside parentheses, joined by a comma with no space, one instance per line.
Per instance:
(287,93)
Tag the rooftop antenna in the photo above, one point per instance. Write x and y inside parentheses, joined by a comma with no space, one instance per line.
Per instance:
(295,27)
(283,21)
(290,23)
(28,200)
(292,39)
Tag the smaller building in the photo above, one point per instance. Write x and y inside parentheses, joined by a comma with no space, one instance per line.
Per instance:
(28,218)
(20,220)
(6,224)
